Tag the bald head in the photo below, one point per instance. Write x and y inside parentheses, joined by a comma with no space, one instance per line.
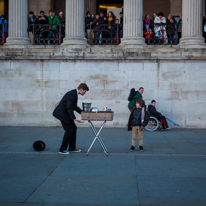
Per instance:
(61,14)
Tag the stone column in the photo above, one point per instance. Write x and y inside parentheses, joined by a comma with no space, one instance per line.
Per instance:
(133,23)
(192,24)
(75,22)
(18,23)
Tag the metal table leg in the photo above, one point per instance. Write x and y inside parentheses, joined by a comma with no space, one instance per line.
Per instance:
(97,136)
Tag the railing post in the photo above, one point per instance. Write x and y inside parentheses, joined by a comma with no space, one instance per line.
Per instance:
(60,29)
(90,38)
(3,34)
(117,33)
(33,34)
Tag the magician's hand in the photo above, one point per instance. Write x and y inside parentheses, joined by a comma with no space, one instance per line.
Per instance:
(79,121)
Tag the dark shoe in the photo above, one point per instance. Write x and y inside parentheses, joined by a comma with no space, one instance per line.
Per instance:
(75,150)
(141,149)
(64,152)
(132,149)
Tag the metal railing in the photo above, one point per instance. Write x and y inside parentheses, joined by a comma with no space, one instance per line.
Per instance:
(104,34)
(161,34)
(46,34)
(2,35)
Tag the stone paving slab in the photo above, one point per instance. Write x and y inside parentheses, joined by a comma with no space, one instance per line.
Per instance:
(171,171)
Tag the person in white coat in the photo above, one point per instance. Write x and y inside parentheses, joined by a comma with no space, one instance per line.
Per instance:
(160,27)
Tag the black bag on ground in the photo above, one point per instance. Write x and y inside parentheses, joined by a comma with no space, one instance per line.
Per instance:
(131,94)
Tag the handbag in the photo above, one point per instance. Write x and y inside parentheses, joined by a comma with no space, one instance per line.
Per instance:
(158,34)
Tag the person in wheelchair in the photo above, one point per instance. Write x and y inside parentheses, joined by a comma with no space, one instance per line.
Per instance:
(154,113)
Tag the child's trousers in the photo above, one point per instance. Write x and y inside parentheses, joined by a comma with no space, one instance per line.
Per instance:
(136,132)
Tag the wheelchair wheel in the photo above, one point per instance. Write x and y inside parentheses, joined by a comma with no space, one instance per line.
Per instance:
(152,125)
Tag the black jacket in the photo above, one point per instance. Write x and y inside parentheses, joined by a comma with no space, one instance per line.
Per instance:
(121,21)
(87,21)
(171,27)
(43,21)
(35,21)
(153,112)
(133,117)
(62,22)
(96,27)
(65,110)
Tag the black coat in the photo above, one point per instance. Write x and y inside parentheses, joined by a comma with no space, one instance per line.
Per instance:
(65,110)
(96,27)
(87,21)
(46,21)
(171,28)
(153,112)
(132,116)
(62,22)
(102,21)
(121,21)
(35,21)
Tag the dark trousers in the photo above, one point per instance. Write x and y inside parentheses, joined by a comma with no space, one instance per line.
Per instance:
(69,138)
(164,125)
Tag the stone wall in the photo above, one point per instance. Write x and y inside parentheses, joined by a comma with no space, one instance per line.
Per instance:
(30,88)
(151,6)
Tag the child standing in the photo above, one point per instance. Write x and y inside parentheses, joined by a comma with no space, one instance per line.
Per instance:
(136,124)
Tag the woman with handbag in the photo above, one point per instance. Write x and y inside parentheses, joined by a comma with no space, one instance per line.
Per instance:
(160,27)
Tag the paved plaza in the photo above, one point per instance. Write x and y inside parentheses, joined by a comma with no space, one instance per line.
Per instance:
(171,170)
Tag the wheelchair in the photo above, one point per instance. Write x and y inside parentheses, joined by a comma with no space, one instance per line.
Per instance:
(154,124)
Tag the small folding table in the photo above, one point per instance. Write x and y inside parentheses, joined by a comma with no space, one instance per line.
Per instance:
(97,116)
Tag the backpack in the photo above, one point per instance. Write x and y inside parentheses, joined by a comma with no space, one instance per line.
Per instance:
(131,94)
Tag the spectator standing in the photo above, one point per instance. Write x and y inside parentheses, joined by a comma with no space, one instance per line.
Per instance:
(96,27)
(147,23)
(148,34)
(54,21)
(102,20)
(88,23)
(179,27)
(5,22)
(160,29)
(138,95)
(154,15)
(62,22)
(204,27)
(117,24)
(93,17)
(171,29)
(32,20)
(111,21)
(121,18)
(43,19)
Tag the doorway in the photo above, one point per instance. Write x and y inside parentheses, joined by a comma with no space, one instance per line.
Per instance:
(116,6)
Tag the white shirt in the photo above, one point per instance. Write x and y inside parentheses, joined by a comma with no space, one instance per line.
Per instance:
(77,92)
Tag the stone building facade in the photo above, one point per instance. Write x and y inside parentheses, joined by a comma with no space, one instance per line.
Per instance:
(34,78)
